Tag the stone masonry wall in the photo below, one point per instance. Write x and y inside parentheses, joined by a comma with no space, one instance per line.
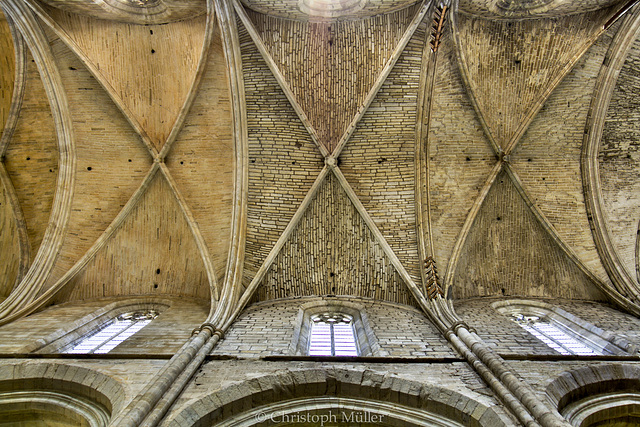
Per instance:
(268,329)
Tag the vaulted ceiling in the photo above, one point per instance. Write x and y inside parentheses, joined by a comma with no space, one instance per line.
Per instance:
(230,152)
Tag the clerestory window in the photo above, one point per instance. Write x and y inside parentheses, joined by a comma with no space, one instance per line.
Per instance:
(332,334)
(560,330)
(551,335)
(113,333)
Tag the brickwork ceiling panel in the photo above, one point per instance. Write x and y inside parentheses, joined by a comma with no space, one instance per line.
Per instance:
(149,68)
(619,162)
(152,253)
(510,64)
(460,155)
(10,244)
(547,159)
(333,252)
(283,160)
(508,252)
(111,159)
(7,70)
(166,227)
(379,159)
(331,66)
(31,158)
(202,159)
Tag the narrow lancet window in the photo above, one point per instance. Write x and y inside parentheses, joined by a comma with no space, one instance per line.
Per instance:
(113,333)
(332,334)
(551,335)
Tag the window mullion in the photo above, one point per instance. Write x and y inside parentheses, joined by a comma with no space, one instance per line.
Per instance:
(333,340)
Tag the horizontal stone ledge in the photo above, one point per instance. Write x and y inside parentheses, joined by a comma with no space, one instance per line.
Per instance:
(570,357)
(363,359)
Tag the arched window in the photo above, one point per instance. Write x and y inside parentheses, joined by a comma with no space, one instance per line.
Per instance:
(113,333)
(565,333)
(332,334)
(332,327)
(551,335)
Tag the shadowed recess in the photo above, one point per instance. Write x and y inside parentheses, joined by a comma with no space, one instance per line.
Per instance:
(150,69)
(460,156)
(379,159)
(510,64)
(152,253)
(619,161)
(508,252)
(31,158)
(202,158)
(283,160)
(333,252)
(331,66)
(111,159)
(7,70)
(547,158)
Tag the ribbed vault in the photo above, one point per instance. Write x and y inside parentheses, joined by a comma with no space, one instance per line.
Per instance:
(547,159)
(383,281)
(33,149)
(511,66)
(9,241)
(201,159)
(508,252)
(337,66)
(137,73)
(111,160)
(156,235)
(619,162)
(7,69)
(333,252)
(283,160)
(508,124)
(331,111)
(516,9)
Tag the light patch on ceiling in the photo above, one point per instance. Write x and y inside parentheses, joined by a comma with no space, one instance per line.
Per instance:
(330,8)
